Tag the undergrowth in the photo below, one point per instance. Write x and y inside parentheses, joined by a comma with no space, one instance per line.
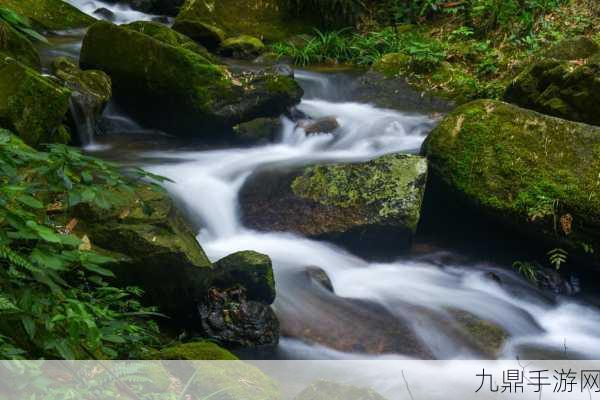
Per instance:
(55,301)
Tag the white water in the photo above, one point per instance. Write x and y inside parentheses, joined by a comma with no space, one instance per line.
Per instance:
(123,13)
(208,182)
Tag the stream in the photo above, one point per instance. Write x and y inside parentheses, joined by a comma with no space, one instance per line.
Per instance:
(433,302)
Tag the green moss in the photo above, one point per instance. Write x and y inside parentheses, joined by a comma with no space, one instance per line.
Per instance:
(243,46)
(512,162)
(204,33)
(31,104)
(393,64)
(253,270)
(192,351)
(267,20)
(576,48)
(50,14)
(169,36)
(387,189)
(14,44)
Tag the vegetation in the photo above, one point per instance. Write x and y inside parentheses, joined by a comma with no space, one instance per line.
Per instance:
(463,50)
(21,24)
(55,301)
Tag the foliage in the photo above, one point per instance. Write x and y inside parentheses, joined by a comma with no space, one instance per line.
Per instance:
(528,270)
(21,24)
(55,302)
(558,257)
(329,12)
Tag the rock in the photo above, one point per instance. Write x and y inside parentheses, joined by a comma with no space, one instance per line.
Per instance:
(377,199)
(204,33)
(54,15)
(564,89)
(242,47)
(326,390)
(179,91)
(268,58)
(228,316)
(192,351)
(320,277)
(576,48)
(17,46)
(105,13)
(94,87)
(156,250)
(169,36)
(321,125)
(267,20)
(32,105)
(487,336)
(259,130)
(252,268)
(534,173)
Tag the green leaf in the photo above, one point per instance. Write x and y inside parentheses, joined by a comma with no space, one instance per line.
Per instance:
(29,326)
(98,270)
(30,201)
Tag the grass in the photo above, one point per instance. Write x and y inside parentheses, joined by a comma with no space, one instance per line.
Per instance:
(466,52)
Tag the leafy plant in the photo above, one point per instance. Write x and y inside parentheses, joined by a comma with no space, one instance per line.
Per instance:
(21,24)
(558,257)
(528,270)
(55,301)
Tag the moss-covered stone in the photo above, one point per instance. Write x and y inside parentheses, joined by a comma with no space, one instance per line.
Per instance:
(385,191)
(31,105)
(267,20)
(159,251)
(378,200)
(204,33)
(533,172)
(486,335)
(169,36)
(560,87)
(177,90)
(253,269)
(392,64)
(192,351)
(243,47)
(328,390)
(94,87)
(54,15)
(576,48)
(258,130)
(14,44)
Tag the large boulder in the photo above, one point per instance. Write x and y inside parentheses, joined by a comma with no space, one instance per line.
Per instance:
(265,19)
(180,91)
(32,105)
(17,46)
(535,173)
(380,198)
(563,82)
(54,15)
(156,250)
(242,47)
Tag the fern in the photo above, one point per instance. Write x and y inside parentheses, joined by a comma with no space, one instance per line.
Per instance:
(558,257)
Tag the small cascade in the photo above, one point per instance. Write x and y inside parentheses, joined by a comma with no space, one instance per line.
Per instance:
(84,120)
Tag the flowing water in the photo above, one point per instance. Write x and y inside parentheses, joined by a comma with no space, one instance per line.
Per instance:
(427,304)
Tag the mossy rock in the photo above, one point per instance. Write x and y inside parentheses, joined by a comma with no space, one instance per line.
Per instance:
(53,15)
(192,351)
(258,130)
(169,36)
(94,87)
(565,89)
(328,390)
(535,173)
(377,199)
(32,105)
(180,91)
(268,20)
(486,335)
(202,32)
(576,48)
(253,270)
(155,249)
(243,47)
(13,44)
(393,64)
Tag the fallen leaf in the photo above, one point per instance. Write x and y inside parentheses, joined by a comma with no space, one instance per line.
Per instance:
(86,244)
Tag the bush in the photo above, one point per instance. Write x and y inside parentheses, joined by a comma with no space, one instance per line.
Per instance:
(54,301)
